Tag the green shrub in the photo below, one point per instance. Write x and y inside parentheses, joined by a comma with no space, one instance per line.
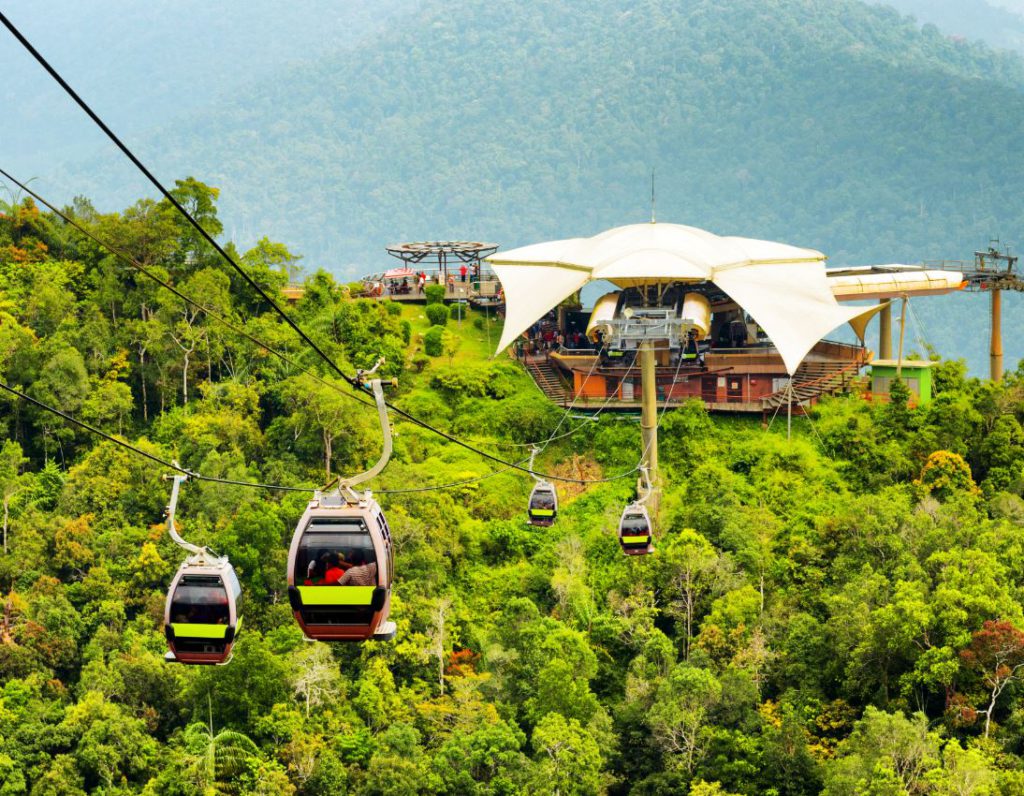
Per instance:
(420,361)
(432,341)
(437,314)
(477,380)
(527,416)
(427,405)
(458,310)
(469,381)
(435,294)
(393,307)
(406,332)
(478,323)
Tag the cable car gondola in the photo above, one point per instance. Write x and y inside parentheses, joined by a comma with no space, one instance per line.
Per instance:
(543,507)
(635,530)
(340,563)
(340,569)
(201,616)
(636,533)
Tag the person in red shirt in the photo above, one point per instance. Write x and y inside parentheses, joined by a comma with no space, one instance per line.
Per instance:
(462,272)
(335,569)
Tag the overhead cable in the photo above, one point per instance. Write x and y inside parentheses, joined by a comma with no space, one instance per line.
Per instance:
(352,380)
(187,299)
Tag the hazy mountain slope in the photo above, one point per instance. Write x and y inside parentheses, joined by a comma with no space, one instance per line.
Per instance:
(826,123)
(998,24)
(144,64)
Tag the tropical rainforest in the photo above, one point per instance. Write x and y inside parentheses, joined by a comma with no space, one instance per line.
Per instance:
(839,613)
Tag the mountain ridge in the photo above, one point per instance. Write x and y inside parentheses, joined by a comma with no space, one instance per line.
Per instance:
(830,124)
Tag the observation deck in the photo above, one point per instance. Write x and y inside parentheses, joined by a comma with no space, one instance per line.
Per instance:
(751,379)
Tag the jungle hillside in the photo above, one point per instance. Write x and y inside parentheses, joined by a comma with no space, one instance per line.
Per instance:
(840,613)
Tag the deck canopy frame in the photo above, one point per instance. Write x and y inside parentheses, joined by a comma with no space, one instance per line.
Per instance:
(439,253)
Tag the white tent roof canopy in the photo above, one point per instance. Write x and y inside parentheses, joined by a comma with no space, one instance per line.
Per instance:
(783,287)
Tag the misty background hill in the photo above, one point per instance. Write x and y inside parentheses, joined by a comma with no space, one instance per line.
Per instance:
(834,124)
(1000,23)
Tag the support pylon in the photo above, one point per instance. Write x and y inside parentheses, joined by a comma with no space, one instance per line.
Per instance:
(996,348)
(885,330)
(649,411)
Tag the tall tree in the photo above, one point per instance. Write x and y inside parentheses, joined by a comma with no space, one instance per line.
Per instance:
(996,653)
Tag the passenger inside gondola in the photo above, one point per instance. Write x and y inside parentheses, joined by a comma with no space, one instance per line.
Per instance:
(544,500)
(336,565)
(201,601)
(329,547)
(635,525)
(361,573)
(314,573)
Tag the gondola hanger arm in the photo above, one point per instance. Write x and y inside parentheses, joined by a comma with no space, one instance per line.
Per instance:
(646,491)
(345,484)
(533,455)
(178,479)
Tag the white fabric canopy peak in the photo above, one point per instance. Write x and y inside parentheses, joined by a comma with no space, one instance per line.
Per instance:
(783,287)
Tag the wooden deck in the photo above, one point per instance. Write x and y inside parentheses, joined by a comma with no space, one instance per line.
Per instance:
(459,291)
(485,291)
(752,380)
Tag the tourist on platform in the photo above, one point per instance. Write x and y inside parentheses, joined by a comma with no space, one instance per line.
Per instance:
(462,272)
(421,283)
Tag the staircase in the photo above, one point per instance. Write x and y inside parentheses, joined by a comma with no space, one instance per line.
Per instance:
(814,379)
(547,379)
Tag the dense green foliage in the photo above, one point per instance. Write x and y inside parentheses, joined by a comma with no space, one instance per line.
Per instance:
(838,614)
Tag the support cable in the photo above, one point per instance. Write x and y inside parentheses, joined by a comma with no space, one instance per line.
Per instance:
(127,258)
(554,434)
(591,419)
(248,279)
(230,325)
(153,458)
(196,476)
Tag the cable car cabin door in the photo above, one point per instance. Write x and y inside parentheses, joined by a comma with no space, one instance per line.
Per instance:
(339,573)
